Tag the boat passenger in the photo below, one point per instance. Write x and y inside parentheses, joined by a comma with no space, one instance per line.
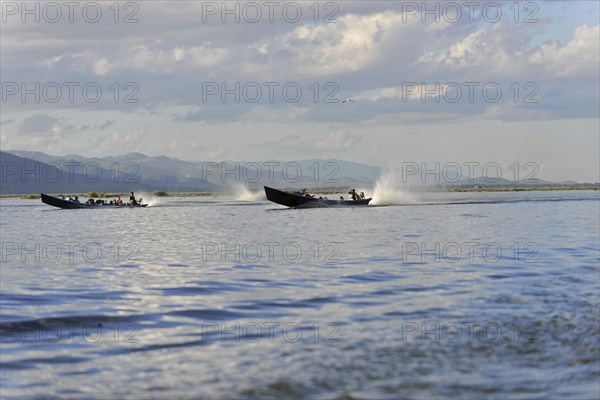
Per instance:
(76,200)
(90,201)
(362,195)
(118,201)
(341,198)
(132,200)
(353,194)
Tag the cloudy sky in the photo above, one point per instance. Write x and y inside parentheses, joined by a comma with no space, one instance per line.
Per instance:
(445,82)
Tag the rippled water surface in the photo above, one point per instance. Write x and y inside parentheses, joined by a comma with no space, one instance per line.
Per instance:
(479,295)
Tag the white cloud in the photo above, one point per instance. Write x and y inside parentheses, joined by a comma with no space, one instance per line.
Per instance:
(492,50)
(151,58)
(503,52)
(103,67)
(352,44)
(580,56)
(206,55)
(52,61)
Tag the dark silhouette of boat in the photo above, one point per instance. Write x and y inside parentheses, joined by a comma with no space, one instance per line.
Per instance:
(302,200)
(66,204)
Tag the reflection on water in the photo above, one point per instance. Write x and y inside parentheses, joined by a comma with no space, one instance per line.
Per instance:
(463,295)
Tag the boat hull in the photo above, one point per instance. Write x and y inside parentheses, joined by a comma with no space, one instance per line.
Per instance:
(66,204)
(297,201)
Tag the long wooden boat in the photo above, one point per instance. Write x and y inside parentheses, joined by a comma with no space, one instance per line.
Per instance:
(66,204)
(297,200)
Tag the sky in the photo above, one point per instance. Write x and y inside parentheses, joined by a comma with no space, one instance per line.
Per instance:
(432,83)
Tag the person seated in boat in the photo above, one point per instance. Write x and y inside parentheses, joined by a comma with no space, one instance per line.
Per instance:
(76,199)
(90,201)
(69,198)
(362,195)
(132,200)
(118,201)
(111,203)
(341,198)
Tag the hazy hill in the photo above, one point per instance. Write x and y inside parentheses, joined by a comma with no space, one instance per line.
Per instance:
(171,174)
(25,175)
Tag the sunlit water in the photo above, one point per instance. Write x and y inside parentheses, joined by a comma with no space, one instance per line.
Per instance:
(476,295)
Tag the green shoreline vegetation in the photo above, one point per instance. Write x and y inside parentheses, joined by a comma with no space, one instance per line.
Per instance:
(321,191)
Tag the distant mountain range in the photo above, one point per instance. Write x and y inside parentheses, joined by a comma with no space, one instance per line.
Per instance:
(29,172)
(36,172)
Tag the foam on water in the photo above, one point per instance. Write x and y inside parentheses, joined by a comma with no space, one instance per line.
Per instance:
(387,191)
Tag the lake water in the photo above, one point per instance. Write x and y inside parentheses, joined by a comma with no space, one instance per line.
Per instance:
(445,295)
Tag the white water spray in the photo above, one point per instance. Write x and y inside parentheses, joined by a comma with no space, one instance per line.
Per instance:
(242,193)
(388,191)
(148,198)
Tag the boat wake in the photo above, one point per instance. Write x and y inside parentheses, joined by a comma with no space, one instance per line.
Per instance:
(242,193)
(387,191)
